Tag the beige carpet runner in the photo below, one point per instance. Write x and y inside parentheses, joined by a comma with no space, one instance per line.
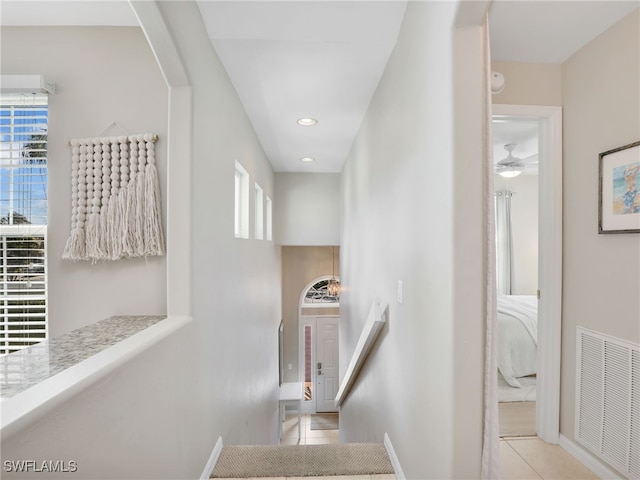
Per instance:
(302,460)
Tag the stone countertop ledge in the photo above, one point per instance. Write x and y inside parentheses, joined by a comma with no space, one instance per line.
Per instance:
(40,378)
(32,365)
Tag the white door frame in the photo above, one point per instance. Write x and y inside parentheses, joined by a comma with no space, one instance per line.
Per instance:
(549,263)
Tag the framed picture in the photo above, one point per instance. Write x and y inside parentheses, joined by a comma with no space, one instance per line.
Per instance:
(619,190)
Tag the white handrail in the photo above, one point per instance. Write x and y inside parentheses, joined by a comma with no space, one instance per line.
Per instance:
(375,321)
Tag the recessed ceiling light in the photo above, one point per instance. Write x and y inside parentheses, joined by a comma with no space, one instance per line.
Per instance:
(307,159)
(307,122)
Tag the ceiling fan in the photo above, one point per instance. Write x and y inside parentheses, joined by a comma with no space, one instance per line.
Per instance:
(511,166)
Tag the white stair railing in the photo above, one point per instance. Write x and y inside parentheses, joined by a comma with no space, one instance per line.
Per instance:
(375,321)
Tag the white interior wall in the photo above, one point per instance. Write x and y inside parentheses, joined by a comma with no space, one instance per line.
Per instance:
(402,212)
(598,90)
(524,217)
(307,209)
(116,428)
(135,422)
(529,83)
(236,283)
(601,272)
(472,188)
(103,75)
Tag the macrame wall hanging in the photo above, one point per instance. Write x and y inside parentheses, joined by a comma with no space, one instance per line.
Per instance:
(116,203)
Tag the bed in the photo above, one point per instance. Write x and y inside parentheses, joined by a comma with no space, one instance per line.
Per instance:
(517,337)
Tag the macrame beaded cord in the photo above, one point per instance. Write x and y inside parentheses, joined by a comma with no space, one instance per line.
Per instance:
(115,199)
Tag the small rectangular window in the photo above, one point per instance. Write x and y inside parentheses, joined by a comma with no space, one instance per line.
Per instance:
(259,213)
(241,202)
(269,219)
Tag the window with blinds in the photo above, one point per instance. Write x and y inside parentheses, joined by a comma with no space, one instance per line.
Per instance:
(23,221)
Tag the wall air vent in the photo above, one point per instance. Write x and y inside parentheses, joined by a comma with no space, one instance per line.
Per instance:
(608,399)
(26,84)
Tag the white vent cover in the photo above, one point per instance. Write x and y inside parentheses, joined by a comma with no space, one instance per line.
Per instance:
(608,399)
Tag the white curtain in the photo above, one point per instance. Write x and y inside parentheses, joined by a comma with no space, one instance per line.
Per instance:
(504,242)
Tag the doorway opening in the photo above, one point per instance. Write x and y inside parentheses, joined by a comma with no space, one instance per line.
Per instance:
(549,259)
(516,159)
(318,346)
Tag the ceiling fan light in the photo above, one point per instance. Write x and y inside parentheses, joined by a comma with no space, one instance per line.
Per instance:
(510,173)
(511,166)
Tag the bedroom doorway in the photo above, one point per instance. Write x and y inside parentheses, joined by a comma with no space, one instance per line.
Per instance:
(516,159)
(549,253)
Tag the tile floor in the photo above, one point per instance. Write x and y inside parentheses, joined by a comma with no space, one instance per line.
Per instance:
(307,436)
(523,458)
(529,458)
(517,419)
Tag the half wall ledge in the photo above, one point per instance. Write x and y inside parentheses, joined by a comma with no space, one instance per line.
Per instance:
(35,380)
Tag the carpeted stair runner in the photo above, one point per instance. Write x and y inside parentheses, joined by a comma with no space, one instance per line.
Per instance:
(302,460)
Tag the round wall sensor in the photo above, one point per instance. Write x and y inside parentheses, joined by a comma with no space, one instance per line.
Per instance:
(497,82)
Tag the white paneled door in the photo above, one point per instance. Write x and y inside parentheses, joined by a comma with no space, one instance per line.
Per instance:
(326,363)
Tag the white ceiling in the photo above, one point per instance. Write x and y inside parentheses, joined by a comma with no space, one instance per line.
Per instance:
(67,13)
(543,31)
(290,60)
(324,59)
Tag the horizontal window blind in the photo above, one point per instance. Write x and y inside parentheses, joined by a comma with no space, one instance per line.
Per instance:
(23,160)
(23,310)
(23,220)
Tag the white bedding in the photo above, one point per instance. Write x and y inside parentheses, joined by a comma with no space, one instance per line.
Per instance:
(517,336)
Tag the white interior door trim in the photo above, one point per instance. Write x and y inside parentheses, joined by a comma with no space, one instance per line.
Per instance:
(550,263)
(306,319)
(326,343)
(309,407)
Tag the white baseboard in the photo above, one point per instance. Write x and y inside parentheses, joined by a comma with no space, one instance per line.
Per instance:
(588,460)
(395,463)
(213,459)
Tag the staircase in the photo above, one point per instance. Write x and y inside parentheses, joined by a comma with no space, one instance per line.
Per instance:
(347,459)
(367,461)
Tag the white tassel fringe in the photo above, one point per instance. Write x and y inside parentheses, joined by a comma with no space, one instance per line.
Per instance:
(123,217)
